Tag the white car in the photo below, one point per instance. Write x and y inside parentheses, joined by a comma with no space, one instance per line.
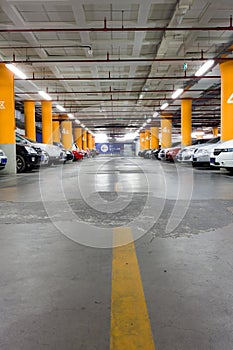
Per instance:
(3,159)
(56,155)
(222,156)
(201,156)
(185,155)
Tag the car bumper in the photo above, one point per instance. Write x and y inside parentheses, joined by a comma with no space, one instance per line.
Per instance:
(223,160)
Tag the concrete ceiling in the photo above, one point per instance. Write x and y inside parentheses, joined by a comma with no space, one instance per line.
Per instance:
(116,78)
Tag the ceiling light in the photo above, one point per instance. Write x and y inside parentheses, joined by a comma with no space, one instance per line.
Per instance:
(82,125)
(77,121)
(148,120)
(165,105)
(70,115)
(155,115)
(45,95)
(177,93)
(140,96)
(144,124)
(204,68)
(60,108)
(15,70)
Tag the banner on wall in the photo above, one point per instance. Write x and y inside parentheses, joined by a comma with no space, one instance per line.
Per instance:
(124,149)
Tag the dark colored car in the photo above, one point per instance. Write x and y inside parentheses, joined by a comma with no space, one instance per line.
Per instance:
(27,158)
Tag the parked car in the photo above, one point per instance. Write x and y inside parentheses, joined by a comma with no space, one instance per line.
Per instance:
(56,155)
(222,156)
(69,154)
(155,152)
(147,153)
(201,156)
(162,154)
(185,155)
(77,155)
(3,159)
(27,158)
(172,153)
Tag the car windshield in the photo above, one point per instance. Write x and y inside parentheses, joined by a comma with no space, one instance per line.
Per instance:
(214,140)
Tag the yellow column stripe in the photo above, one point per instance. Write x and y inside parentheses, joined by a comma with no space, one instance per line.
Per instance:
(130,324)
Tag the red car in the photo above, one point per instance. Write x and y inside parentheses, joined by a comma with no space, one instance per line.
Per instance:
(77,155)
(171,153)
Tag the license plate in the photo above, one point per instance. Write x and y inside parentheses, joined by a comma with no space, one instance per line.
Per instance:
(3,161)
(212,160)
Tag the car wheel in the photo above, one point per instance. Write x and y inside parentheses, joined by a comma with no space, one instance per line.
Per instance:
(230,170)
(20,164)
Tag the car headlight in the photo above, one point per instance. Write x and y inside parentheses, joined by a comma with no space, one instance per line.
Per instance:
(30,150)
(227,150)
(201,152)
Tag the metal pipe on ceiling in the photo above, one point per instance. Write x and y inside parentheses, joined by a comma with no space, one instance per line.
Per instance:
(115,60)
(105,28)
(112,91)
(119,78)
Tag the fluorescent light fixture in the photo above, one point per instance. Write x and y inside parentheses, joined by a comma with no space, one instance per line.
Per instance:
(70,115)
(148,120)
(144,124)
(15,70)
(82,125)
(60,108)
(140,96)
(77,121)
(165,105)
(155,115)
(204,68)
(177,93)
(45,95)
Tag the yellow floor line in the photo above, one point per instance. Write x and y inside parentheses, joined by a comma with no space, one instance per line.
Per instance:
(130,324)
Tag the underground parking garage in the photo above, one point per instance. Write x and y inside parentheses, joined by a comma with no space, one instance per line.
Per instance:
(116,161)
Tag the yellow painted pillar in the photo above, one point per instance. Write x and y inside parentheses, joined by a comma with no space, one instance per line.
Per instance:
(78,137)
(7,118)
(166,131)
(66,134)
(84,139)
(56,129)
(47,128)
(215,131)
(147,139)
(154,137)
(89,141)
(186,122)
(226,70)
(142,141)
(93,142)
(30,122)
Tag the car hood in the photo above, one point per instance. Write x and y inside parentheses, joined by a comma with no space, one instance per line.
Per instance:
(210,146)
(225,144)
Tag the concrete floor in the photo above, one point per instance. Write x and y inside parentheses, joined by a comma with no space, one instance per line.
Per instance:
(56,253)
